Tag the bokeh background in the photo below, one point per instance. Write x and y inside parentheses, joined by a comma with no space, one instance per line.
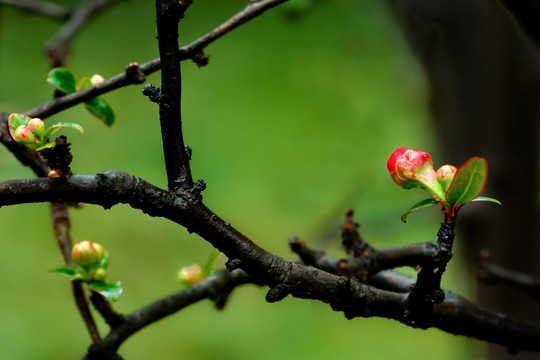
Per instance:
(290,124)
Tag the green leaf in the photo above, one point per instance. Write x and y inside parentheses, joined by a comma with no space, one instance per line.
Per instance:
(97,106)
(42,146)
(484,198)
(100,109)
(419,205)
(66,270)
(109,290)
(468,182)
(62,79)
(54,128)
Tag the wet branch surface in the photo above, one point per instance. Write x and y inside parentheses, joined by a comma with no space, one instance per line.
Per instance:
(168,14)
(126,78)
(346,294)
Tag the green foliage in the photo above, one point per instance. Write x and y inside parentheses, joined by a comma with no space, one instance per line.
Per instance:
(65,81)
(468,183)
(463,185)
(422,204)
(39,139)
(346,91)
(62,79)
(109,290)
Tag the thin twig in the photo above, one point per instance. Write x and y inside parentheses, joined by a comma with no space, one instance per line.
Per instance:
(222,282)
(120,80)
(60,219)
(82,305)
(495,274)
(42,7)
(56,46)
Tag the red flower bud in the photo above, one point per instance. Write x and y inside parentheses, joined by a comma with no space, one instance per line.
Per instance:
(411,168)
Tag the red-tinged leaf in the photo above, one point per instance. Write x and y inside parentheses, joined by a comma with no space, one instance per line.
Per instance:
(419,205)
(62,79)
(468,182)
(15,120)
(47,145)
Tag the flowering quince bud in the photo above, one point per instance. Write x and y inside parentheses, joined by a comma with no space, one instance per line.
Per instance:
(190,275)
(96,79)
(87,254)
(37,126)
(445,175)
(411,168)
(54,174)
(24,135)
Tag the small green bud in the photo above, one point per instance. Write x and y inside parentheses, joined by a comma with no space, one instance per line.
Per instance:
(100,274)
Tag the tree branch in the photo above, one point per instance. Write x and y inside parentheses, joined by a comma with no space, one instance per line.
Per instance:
(455,314)
(42,7)
(495,274)
(120,80)
(168,14)
(56,46)
(222,282)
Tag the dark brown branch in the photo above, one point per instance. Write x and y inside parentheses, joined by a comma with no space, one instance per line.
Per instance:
(42,7)
(56,46)
(455,315)
(496,274)
(168,14)
(82,305)
(366,261)
(427,290)
(54,106)
(221,282)
(385,280)
(105,309)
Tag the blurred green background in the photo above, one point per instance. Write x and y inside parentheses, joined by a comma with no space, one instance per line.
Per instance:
(290,124)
